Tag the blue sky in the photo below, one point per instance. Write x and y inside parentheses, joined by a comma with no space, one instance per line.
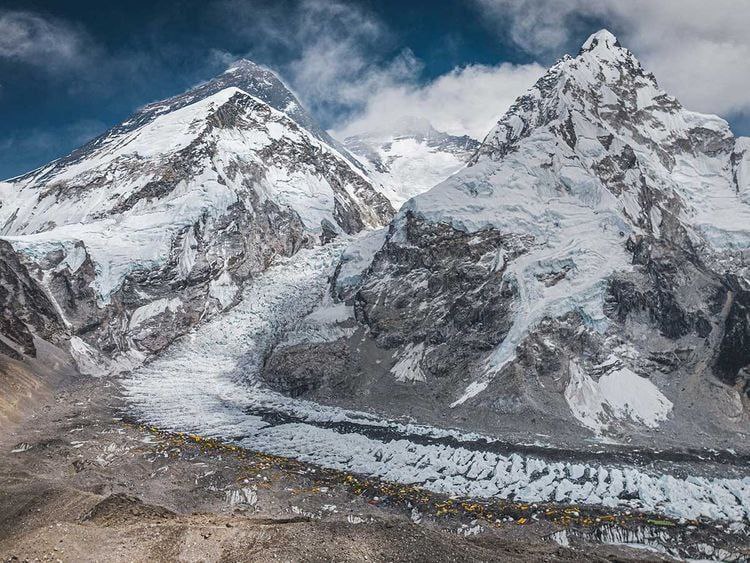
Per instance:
(69,70)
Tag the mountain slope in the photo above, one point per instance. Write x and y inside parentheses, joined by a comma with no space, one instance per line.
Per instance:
(411,160)
(583,275)
(141,233)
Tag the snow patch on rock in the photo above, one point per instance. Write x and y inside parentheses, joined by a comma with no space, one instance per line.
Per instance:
(619,394)
(407,368)
(223,289)
(153,309)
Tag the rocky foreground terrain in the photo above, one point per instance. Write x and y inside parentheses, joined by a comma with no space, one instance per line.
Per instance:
(79,481)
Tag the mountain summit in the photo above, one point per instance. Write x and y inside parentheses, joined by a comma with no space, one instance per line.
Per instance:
(585,271)
(602,39)
(137,235)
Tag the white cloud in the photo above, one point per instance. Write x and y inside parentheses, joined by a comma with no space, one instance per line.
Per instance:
(538,26)
(467,101)
(42,41)
(334,54)
(347,69)
(340,74)
(699,51)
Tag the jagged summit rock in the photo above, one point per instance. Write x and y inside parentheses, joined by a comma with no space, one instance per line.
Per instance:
(602,39)
(249,77)
(261,82)
(140,233)
(586,270)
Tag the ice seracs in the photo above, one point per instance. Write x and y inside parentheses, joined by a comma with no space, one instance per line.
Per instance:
(210,384)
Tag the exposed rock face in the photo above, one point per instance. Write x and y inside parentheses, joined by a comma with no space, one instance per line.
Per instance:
(734,351)
(448,291)
(23,304)
(588,268)
(412,159)
(138,235)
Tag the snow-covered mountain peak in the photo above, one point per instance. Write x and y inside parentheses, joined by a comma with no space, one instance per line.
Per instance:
(258,79)
(175,208)
(597,203)
(620,126)
(261,82)
(252,68)
(601,117)
(411,156)
(602,39)
(605,84)
(252,78)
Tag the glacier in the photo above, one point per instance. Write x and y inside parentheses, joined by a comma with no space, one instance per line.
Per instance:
(207,383)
